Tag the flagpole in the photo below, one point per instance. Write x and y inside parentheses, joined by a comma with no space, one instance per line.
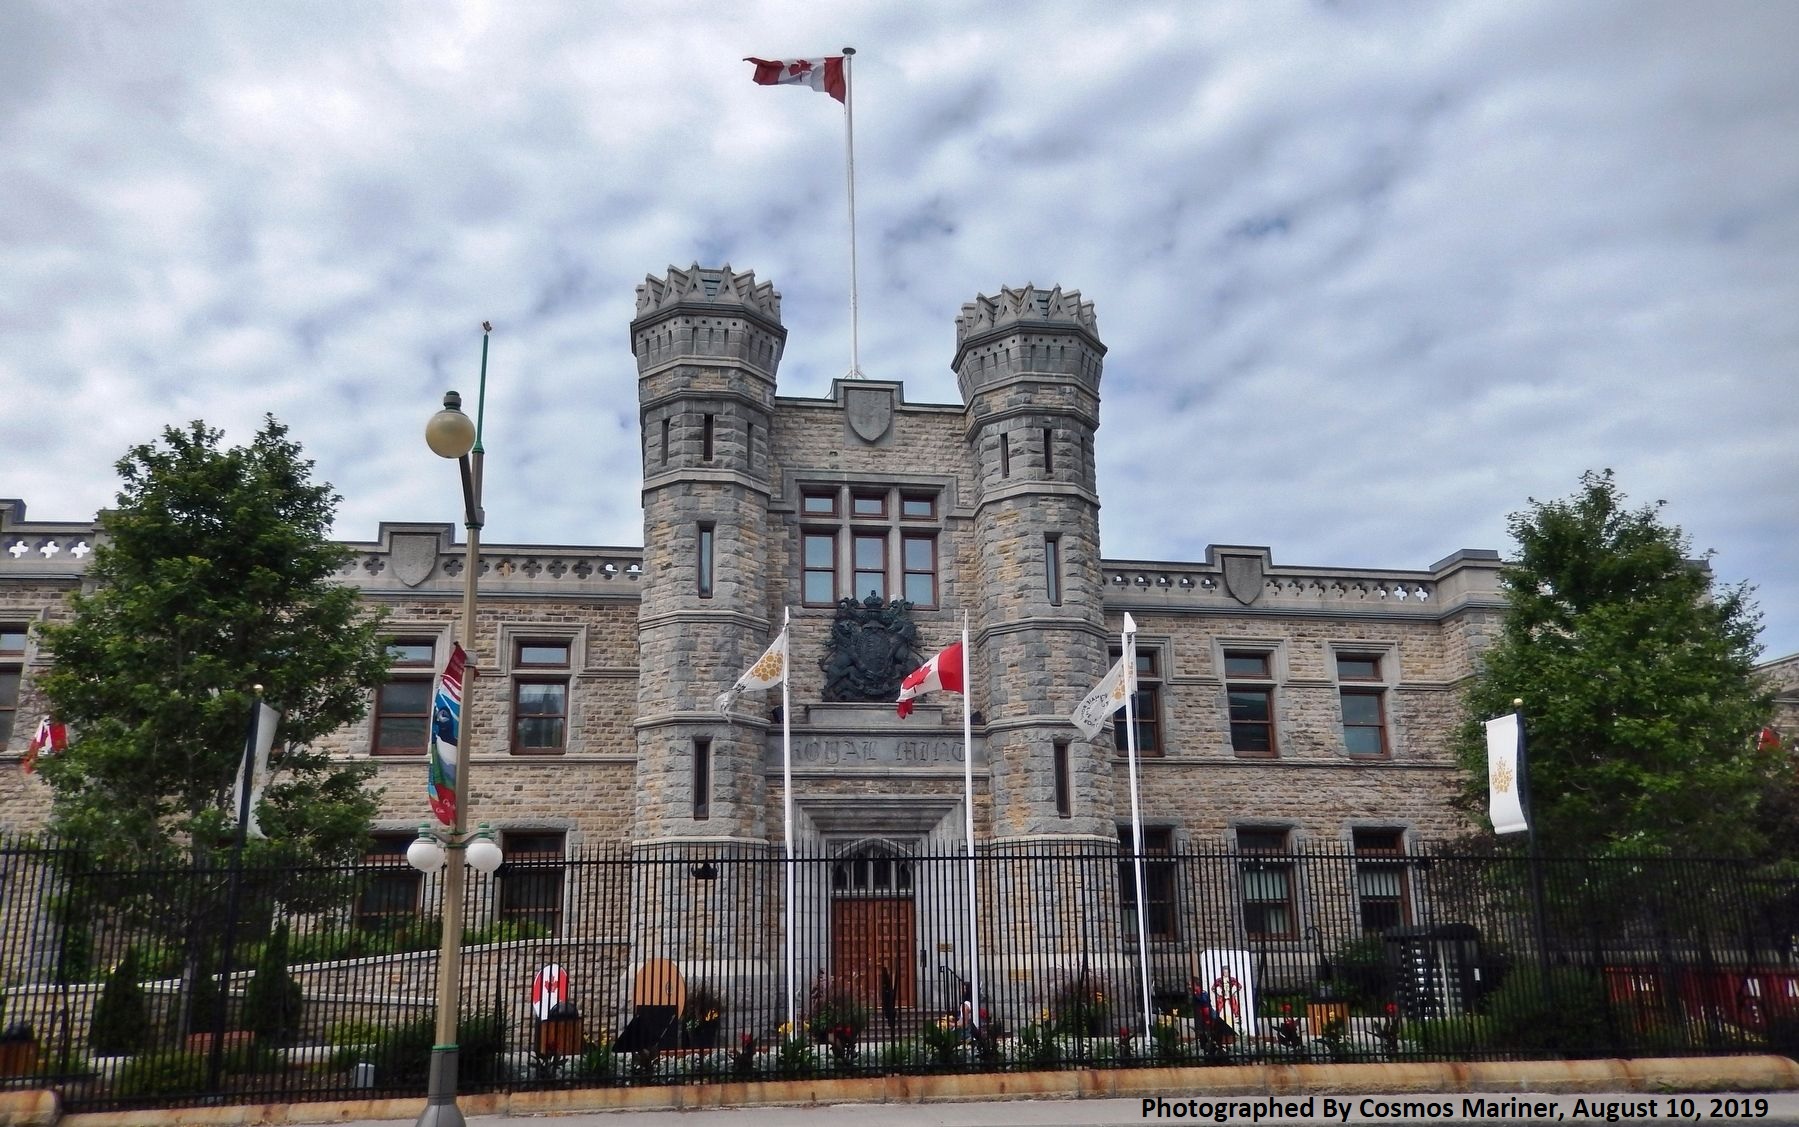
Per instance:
(234,884)
(974,942)
(1130,744)
(1533,852)
(787,805)
(849,135)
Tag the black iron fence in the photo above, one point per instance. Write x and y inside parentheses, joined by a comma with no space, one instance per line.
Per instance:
(684,964)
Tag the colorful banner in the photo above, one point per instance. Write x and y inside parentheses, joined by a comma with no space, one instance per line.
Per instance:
(446,725)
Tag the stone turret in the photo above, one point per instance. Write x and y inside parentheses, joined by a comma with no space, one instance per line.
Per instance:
(708,342)
(1028,364)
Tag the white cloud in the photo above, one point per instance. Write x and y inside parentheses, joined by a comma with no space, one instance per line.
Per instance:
(1370,275)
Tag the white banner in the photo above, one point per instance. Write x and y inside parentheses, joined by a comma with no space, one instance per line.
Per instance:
(1504,804)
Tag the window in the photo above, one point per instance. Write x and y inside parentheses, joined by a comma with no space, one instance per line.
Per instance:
(819,580)
(881,530)
(1052,569)
(1158,882)
(530,881)
(1364,710)
(1267,884)
(403,704)
(868,505)
(918,558)
(12,672)
(870,565)
(1049,452)
(706,439)
(1064,787)
(665,442)
(918,508)
(705,562)
(1251,706)
(540,703)
(1005,455)
(389,897)
(702,779)
(1381,886)
(1146,704)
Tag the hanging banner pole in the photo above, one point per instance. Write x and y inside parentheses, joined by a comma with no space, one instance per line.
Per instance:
(1130,744)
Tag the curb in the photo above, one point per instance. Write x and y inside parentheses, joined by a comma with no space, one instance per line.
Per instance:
(1669,1074)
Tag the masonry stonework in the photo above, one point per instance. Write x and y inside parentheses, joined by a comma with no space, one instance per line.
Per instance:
(761,507)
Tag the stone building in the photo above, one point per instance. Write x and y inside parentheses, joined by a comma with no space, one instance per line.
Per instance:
(1279,704)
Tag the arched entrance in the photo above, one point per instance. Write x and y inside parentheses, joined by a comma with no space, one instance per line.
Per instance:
(873,922)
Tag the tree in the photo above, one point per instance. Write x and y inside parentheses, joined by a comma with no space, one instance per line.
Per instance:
(214,575)
(1637,673)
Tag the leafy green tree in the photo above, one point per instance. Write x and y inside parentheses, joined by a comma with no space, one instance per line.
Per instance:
(215,574)
(1637,674)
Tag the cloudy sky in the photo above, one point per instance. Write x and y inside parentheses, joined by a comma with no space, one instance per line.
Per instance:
(1371,275)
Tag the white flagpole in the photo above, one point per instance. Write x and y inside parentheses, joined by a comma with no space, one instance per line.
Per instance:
(849,134)
(787,804)
(1130,743)
(974,943)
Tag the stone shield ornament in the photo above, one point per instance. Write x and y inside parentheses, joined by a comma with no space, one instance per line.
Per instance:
(870,411)
(413,556)
(1243,578)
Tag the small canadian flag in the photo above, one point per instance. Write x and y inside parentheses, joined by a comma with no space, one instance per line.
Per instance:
(52,736)
(942,673)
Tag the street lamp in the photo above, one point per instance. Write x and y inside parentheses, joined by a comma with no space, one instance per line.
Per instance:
(451,434)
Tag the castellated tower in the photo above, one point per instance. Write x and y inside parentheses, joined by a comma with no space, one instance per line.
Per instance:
(707,343)
(1028,364)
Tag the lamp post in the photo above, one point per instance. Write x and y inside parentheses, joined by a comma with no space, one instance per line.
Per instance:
(451,434)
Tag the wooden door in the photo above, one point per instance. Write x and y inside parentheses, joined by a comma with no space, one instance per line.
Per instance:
(870,935)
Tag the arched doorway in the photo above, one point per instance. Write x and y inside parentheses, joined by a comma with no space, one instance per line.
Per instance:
(873,922)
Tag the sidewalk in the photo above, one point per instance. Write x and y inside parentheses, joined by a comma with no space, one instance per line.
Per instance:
(1780,1108)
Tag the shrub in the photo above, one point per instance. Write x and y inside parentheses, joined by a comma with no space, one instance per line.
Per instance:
(838,1011)
(121,1021)
(161,1074)
(402,1054)
(1566,1019)
(1362,972)
(794,1057)
(273,1001)
(1078,1007)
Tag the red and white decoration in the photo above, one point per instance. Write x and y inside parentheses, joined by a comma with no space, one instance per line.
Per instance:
(942,673)
(52,736)
(549,989)
(824,75)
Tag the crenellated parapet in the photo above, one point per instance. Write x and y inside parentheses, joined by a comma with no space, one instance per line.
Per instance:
(1042,337)
(708,314)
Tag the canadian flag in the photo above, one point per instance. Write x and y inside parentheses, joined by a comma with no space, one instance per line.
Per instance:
(942,673)
(824,75)
(52,735)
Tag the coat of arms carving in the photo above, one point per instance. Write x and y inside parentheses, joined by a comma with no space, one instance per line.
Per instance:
(873,645)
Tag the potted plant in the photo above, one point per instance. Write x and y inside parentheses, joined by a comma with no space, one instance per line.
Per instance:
(701,1017)
(18,1050)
